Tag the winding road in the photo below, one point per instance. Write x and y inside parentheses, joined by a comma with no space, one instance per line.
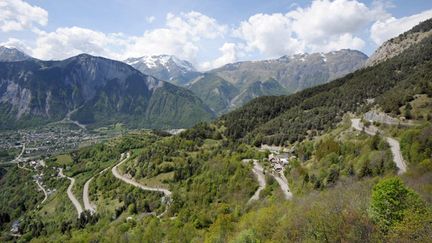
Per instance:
(358,125)
(167,193)
(44,191)
(86,199)
(397,155)
(280,178)
(17,159)
(283,183)
(258,170)
(22,152)
(87,204)
(394,144)
(71,196)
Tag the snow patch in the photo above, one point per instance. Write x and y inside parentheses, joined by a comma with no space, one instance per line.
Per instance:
(323,56)
(165,61)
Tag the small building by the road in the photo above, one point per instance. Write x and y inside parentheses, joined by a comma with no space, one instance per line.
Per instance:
(15,228)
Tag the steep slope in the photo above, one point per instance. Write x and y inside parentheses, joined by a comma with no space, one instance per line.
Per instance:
(294,72)
(102,91)
(165,67)
(397,45)
(288,74)
(257,89)
(216,92)
(279,120)
(12,55)
(222,96)
(246,79)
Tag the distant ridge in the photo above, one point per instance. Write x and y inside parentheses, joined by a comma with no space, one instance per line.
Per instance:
(12,55)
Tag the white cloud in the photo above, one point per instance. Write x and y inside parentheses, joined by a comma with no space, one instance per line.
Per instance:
(67,42)
(18,15)
(230,54)
(323,26)
(324,18)
(386,29)
(181,37)
(343,41)
(271,35)
(196,25)
(18,44)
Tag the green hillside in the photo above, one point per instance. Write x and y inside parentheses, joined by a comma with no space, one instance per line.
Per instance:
(285,119)
(214,91)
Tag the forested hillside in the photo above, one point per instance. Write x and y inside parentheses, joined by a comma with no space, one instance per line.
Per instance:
(342,181)
(275,120)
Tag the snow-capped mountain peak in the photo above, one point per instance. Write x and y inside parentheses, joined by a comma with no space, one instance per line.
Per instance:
(156,61)
(165,67)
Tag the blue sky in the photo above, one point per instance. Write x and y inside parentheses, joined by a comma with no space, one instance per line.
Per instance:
(207,33)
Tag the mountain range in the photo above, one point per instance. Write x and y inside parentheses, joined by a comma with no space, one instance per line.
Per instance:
(37,92)
(285,75)
(100,91)
(165,67)
(232,85)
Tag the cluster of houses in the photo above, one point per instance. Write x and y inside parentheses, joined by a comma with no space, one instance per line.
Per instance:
(278,161)
(279,157)
(37,164)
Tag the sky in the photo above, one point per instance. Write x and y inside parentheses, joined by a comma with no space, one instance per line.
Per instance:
(208,33)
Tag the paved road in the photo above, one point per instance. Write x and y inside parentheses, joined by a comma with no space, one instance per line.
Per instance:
(22,152)
(279,177)
(71,196)
(259,172)
(44,191)
(283,183)
(394,144)
(397,155)
(18,158)
(87,204)
(132,182)
(358,125)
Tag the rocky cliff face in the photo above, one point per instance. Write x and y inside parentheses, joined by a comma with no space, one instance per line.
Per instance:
(397,45)
(102,91)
